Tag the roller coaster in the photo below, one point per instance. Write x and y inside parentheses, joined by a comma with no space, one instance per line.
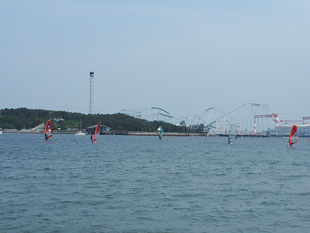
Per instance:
(241,120)
(150,114)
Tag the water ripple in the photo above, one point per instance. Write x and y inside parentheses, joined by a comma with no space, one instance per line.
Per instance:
(141,184)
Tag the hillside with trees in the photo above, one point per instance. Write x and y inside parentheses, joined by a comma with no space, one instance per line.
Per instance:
(23,118)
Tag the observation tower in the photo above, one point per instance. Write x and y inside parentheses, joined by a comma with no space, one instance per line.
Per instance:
(91,92)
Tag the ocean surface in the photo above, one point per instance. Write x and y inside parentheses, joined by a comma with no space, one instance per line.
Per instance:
(143,184)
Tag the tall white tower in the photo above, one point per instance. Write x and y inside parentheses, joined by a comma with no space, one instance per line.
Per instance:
(91,93)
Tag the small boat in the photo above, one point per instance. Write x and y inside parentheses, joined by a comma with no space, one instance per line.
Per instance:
(80,133)
(0,130)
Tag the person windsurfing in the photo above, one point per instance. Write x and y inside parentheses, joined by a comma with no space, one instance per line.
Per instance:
(293,136)
(97,133)
(48,130)
(160,131)
(232,137)
(91,137)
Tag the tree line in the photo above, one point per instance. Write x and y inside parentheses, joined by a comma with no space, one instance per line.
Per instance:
(23,118)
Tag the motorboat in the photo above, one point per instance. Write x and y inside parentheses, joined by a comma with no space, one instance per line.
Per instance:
(80,133)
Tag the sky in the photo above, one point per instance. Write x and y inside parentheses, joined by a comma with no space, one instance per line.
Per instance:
(182,56)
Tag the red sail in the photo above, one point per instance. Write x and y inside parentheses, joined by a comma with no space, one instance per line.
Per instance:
(293,136)
(48,131)
(97,132)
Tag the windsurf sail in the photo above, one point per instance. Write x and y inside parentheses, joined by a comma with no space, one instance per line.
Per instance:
(48,131)
(97,132)
(293,136)
(160,131)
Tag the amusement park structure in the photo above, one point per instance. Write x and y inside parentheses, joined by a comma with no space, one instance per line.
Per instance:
(238,121)
(291,122)
(150,114)
(306,120)
(274,116)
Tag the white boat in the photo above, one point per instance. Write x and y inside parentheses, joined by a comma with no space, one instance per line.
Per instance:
(0,130)
(80,133)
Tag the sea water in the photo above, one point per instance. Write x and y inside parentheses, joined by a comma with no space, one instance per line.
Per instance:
(143,184)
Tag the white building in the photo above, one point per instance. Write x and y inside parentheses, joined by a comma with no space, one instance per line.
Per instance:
(303,130)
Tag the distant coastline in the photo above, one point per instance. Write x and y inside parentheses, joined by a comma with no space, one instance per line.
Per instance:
(23,120)
(28,120)
(137,133)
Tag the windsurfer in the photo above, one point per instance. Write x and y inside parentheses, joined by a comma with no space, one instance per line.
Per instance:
(48,131)
(160,132)
(293,136)
(91,138)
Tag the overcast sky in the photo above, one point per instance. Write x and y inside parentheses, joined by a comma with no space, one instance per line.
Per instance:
(183,56)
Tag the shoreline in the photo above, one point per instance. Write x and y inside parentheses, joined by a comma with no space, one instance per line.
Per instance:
(135,133)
